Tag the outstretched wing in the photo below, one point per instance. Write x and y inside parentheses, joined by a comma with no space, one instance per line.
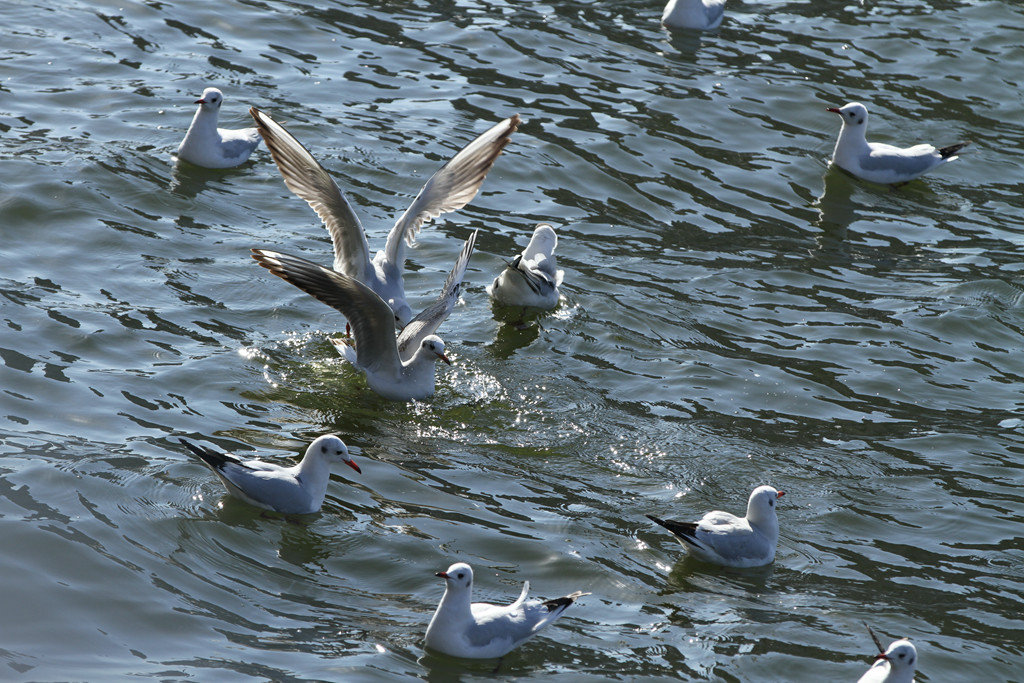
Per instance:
(427,322)
(451,188)
(310,181)
(372,321)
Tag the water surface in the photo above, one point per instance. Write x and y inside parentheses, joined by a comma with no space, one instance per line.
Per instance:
(734,314)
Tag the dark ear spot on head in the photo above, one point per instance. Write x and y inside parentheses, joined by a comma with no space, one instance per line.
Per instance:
(323,449)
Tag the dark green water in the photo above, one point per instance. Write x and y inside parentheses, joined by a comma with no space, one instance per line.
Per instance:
(734,314)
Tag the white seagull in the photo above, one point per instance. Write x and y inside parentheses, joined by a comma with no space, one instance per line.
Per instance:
(479,630)
(452,187)
(877,162)
(531,278)
(299,489)
(401,369)
(895,665)
(731,541)
(702,15)
(207,145)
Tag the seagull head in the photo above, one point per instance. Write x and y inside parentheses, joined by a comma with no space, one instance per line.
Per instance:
(434,346)
(457,576)
(854,114)
(761,506)
(901,655)
(331,447)
(211,99)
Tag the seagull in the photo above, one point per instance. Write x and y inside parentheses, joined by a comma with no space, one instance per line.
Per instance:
(207,145)
(695,14)
(479,630)
(298,490)
(895,665)
(725,539)
(531,278)
(449,189)
(400,369)
(877,162)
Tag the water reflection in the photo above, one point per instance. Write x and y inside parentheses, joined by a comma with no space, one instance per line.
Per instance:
(188,181)
(690,574)
(519,328)
(836,208)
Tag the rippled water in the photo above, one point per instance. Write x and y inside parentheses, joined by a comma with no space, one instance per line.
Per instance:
(734,314)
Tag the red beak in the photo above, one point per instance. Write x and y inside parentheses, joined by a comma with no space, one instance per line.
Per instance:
(441,575)
(780,494)
(882,655)
(200,101)
(834,110)
(444,358)
(353,465)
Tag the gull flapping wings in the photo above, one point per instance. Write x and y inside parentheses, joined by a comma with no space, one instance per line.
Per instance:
(450,188)
(372,321)
(427,322)
(305,177)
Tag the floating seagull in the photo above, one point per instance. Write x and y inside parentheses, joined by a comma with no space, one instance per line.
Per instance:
(531,278)
(207,145)
(299,489)
(479,630)
(401,369)
(695,14)
(731,541)
(895,665)
(877,162)
(449,189)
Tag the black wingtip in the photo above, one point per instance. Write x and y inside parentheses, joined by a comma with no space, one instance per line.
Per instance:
(552,605)
(946,152)
(563,602)
(685,531)
(192,447)
(207,455)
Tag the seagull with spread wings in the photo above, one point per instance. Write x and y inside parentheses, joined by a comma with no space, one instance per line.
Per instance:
(452,187)
(401,368)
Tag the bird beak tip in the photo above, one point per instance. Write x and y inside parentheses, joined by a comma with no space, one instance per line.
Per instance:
(353,465)
(441,575)
(834,110)
(445,358)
